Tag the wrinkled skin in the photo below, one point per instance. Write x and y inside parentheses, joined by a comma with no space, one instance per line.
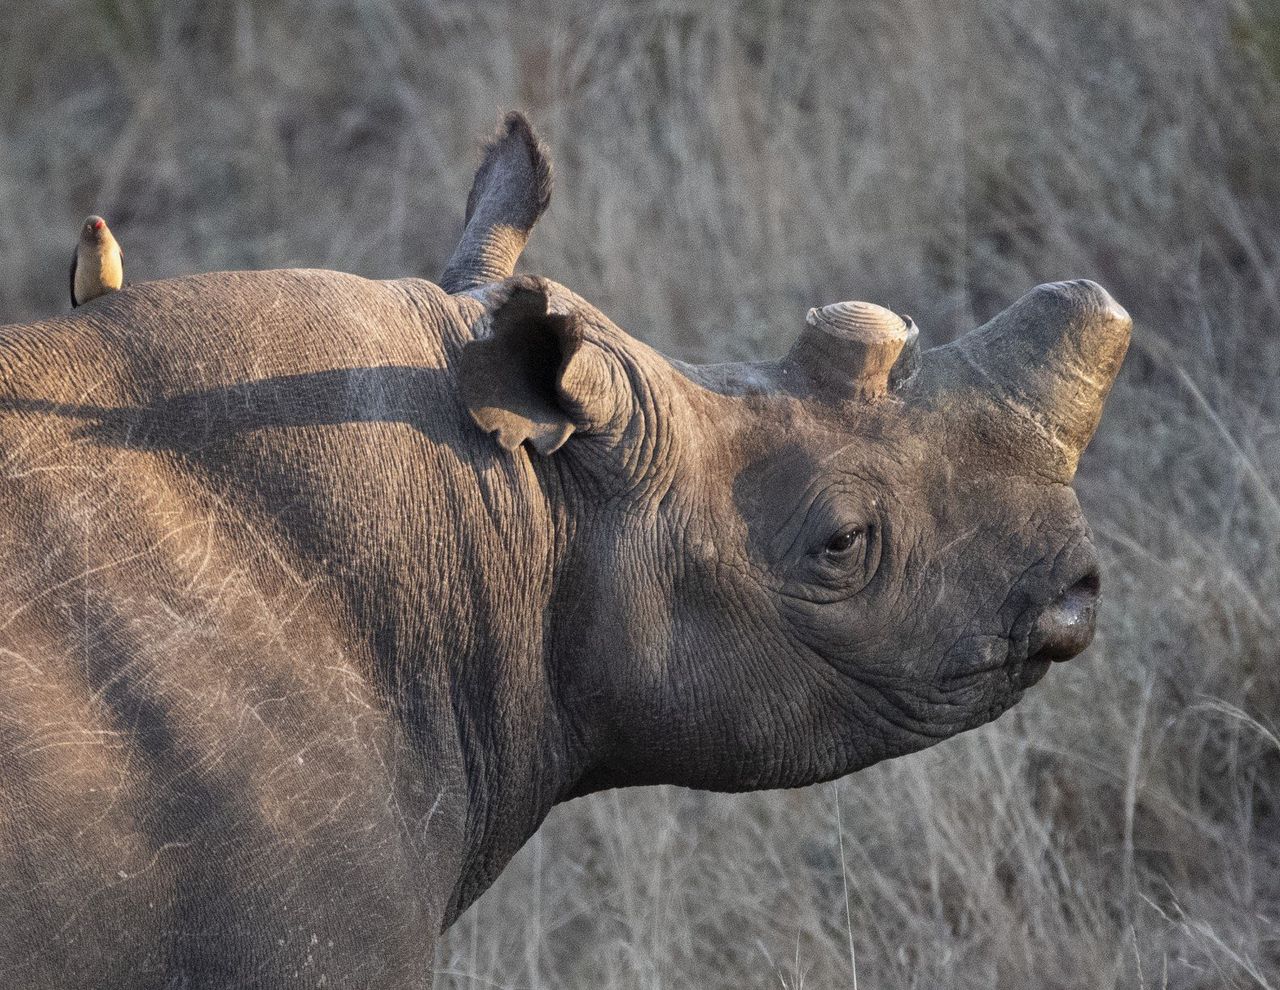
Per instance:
(296,656)
(921,634)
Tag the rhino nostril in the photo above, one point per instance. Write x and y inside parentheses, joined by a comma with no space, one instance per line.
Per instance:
(1090,584)
(1066,625)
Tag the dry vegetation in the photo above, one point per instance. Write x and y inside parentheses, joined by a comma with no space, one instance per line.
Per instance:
(721,168)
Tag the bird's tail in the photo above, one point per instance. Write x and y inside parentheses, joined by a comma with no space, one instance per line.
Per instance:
(511,190)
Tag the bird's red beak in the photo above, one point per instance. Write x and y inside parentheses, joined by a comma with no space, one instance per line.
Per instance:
(99,224)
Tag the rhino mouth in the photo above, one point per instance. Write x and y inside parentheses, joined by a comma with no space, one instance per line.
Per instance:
(1031,655)
(1002,667)
(1032,670)
(1055,632)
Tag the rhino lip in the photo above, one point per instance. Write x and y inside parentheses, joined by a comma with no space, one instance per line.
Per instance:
(1028,666)
(1016,662)
(1032,670)
(1023,668)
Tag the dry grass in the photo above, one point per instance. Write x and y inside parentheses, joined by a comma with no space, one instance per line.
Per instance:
(721,168)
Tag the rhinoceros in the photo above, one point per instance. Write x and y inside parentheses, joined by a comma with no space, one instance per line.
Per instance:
(317,593)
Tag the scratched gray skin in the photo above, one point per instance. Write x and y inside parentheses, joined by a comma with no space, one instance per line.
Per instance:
(318,593)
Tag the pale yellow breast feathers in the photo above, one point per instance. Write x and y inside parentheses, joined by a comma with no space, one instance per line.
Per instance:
(99,268)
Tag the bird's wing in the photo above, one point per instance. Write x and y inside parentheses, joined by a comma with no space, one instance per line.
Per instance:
(74,258)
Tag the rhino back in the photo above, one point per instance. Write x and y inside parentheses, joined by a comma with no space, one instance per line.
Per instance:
(217,496)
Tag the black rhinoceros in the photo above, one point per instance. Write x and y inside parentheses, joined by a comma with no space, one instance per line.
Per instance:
(317,593)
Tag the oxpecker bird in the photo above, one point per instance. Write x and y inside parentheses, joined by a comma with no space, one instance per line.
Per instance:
(98,265)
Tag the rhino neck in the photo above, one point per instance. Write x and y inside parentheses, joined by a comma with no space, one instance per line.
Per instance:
(484,603)
(519,725)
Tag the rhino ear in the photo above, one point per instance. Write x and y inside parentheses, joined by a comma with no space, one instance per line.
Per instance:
(536,378)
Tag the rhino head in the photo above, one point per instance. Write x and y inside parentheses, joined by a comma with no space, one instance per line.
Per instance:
(771,574)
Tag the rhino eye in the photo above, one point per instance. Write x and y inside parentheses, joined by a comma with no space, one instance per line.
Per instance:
(841,546)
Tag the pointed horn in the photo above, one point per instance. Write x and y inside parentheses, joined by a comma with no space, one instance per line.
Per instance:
(1051,357)
(848,349)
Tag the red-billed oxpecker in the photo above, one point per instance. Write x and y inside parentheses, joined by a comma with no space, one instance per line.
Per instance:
(98,264)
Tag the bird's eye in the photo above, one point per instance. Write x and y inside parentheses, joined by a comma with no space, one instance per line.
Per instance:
(840,547)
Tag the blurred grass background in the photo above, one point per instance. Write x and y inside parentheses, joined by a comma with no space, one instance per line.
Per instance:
(720,168)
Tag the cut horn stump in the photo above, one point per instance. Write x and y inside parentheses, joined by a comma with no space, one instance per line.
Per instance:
(848,349)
